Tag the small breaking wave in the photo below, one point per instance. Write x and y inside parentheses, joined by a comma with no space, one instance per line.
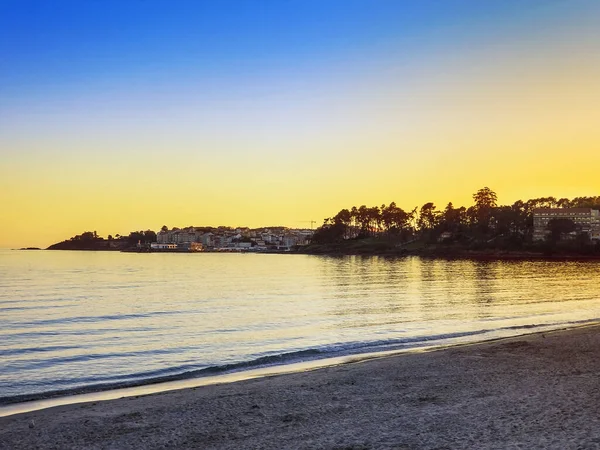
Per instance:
(99,383)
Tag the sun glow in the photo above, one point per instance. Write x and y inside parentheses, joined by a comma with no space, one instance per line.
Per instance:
(256,134)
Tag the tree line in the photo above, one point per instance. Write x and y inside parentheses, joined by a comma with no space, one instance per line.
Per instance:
(134,237)
(485,220)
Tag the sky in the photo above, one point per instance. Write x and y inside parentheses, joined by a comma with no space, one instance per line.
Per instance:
(125,115)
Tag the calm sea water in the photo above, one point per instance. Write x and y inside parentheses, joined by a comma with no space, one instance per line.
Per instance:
(81,319)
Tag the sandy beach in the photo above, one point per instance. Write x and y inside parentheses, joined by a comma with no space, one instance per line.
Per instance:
(536,391)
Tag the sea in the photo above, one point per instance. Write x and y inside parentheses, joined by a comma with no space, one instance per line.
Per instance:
(74,322)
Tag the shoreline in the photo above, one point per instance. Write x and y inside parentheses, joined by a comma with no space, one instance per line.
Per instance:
(536,381)
(458,254)
(246,370)
(441,254)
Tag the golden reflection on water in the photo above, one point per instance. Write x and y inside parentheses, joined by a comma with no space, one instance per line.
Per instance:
(74,318)
(417,289)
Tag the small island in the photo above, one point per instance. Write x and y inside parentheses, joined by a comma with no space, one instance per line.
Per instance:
(275,239)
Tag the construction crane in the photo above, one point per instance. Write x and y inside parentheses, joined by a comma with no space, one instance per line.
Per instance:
(312,222)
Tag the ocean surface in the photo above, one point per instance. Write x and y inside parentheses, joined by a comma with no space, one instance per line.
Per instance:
(96,320)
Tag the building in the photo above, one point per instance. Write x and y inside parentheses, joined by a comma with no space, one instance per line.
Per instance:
(586,219)
(162,246)
(191,247)
(243,238)
(207,239)
(183,247)
(179,236)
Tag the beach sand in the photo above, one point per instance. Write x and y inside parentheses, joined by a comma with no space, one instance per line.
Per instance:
(536,391)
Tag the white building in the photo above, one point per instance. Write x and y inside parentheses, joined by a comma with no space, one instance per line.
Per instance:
(162,246)
(179,236)
(586,219)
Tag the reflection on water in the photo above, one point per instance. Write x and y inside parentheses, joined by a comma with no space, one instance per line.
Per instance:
(81,318)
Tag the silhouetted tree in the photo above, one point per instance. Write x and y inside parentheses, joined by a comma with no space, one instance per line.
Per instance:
(559,227)
(363,218)
(428,217)
(343,219)
(481,225)
(328,233)
(88,236)
(394,219)
(149,236)
(485,202)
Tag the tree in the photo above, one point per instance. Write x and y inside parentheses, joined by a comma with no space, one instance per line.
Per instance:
(450,218)
(149,236)
(164,228)
(343,219)
(560,227)
(505,219)
(141,236)
(328,233)
(88,236)
(374,215)
(343,216)
(520,218)
(485,202)
(135,237)
(363,217)
(428,217)
(354,217)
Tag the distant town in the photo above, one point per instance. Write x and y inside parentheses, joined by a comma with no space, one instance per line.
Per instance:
(194,239)
(227,239)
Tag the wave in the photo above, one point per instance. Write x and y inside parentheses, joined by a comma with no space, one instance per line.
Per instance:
(24,350)
(95,384)
(93,319)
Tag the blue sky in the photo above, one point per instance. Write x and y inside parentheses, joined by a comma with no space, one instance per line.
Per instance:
(61,43)
(262,112)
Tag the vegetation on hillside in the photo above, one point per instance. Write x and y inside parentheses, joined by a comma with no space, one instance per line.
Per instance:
(485,225)
(90,240)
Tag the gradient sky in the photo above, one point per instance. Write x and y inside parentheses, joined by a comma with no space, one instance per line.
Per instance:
(123,115)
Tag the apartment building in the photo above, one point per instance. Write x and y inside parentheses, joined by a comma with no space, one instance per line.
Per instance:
(179,236)
(586,219)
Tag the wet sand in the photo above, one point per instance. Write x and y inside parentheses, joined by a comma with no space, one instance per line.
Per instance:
(536,391)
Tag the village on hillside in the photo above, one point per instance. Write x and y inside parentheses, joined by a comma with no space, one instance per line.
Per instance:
(229,239)
(194,239)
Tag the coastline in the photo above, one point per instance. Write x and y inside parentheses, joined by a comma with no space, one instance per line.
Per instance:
(282,363)
(536,390)
(478,255)
(448,253)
